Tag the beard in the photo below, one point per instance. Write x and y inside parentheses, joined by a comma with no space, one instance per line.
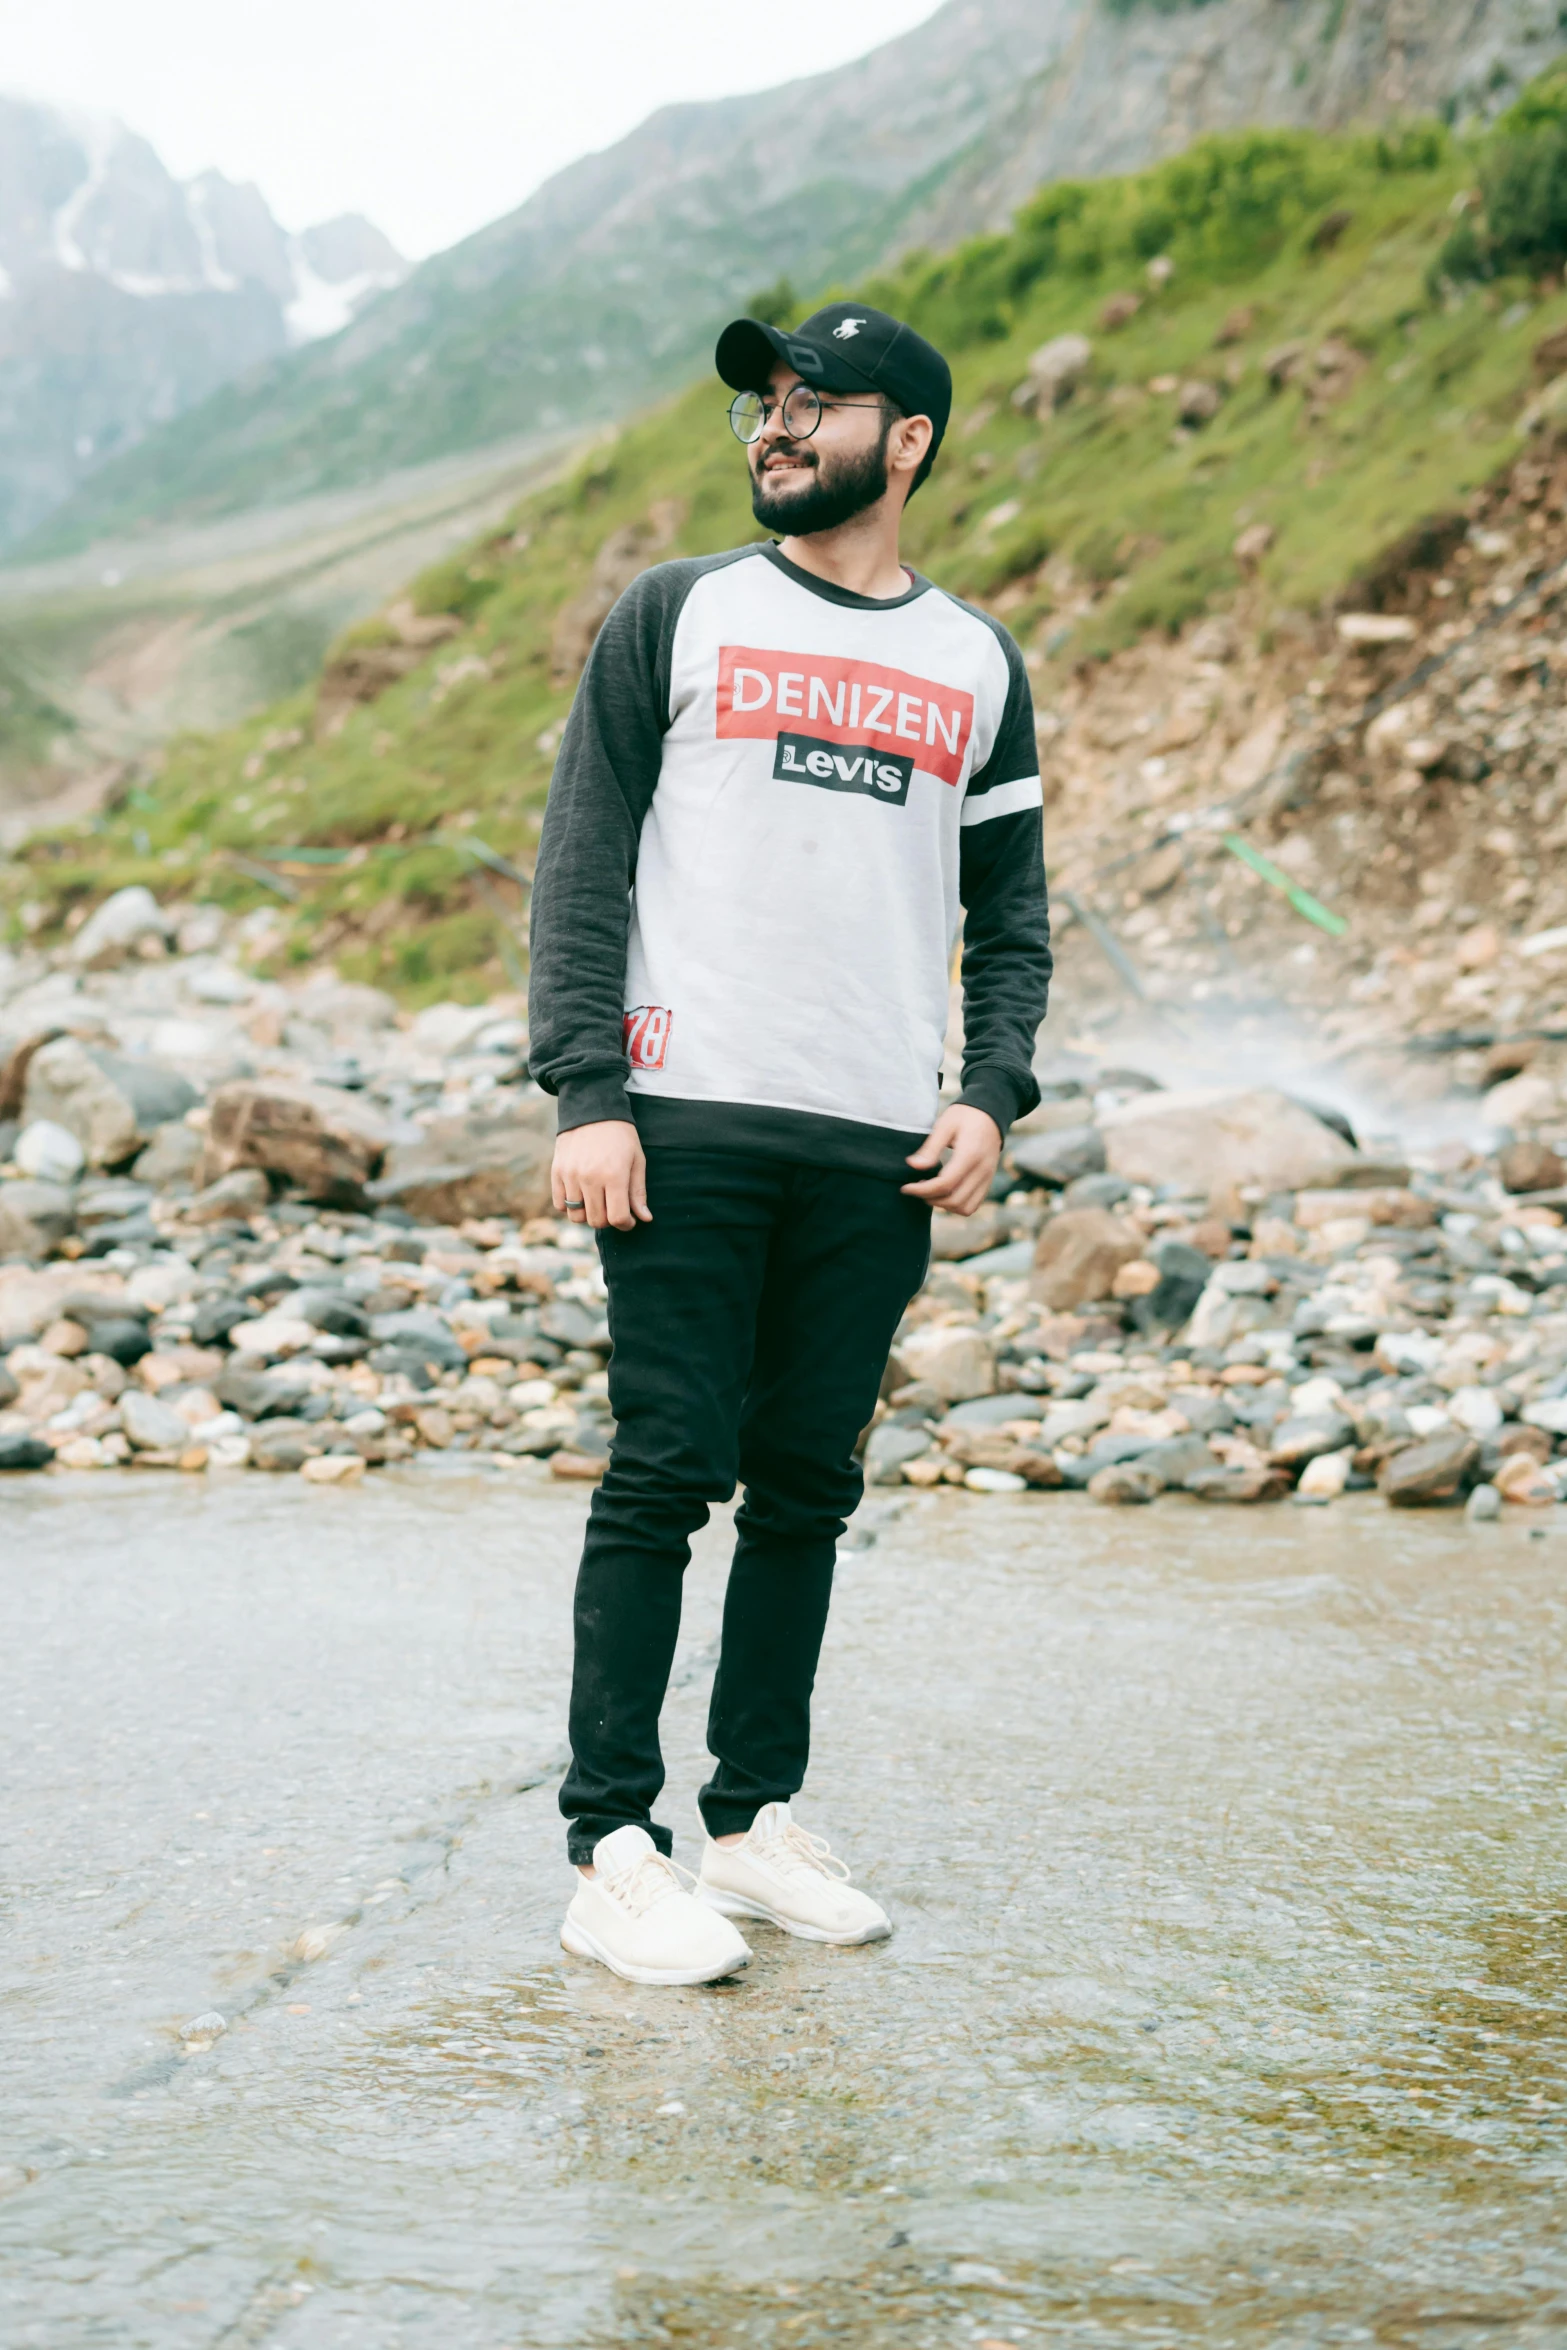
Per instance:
(834,493)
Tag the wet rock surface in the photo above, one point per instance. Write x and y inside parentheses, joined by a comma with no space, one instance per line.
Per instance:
(285,2009)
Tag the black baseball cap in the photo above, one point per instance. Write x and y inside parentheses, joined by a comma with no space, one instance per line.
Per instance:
(848,347)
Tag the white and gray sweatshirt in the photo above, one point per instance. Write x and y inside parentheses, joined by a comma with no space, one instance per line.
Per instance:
(774,803)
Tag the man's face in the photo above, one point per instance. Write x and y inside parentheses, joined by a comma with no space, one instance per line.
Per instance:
(798,487)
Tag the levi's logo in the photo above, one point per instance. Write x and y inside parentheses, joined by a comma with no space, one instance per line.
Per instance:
(858,705)
(880,774)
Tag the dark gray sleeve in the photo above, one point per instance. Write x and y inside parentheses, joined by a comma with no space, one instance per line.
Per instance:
(604,780)
(1006,930)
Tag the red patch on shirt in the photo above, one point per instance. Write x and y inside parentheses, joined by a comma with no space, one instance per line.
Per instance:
(762,693)
(646,1031)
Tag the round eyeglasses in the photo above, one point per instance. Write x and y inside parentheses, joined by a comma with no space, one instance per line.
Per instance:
(800,415)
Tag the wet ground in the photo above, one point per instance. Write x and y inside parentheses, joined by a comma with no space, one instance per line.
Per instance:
(1226,2006)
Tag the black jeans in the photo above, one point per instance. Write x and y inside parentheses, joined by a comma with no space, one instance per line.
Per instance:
(751,1322)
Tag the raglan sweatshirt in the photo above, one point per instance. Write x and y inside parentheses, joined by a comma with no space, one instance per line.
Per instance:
(774,804)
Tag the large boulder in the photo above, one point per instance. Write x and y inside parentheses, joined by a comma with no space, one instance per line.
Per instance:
(326,1142)
(1079,1254)
(490,1162)
(1209,1138)
(66,1084)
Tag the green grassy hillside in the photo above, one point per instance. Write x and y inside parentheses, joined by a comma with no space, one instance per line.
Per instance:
(1356,389)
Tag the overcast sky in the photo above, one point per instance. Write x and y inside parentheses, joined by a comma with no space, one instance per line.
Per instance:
(432,116)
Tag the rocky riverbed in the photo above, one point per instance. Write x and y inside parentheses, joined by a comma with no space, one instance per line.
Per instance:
(250,1225)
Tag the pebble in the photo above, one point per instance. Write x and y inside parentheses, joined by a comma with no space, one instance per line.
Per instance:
(1393,1330)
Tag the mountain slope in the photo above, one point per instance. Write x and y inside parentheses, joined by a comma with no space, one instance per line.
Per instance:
(607,285)
(1255,425)
(126,297)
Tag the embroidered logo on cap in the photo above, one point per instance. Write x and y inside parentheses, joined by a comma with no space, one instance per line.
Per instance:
(846,332)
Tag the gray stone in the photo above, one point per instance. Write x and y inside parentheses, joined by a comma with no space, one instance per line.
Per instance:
(1175,1458)
(113,929)
(121,1232)
(1059,1158)
(171,1156)
(424,1333)
(34,1218)
(572,1325)
(234,1198)
(66,1085)
(48,1152)
(215,1317)
(157,1094)
(24,1452)
(1261,1482)
(1125,1481)
(329,1310)
(1433,1471)
(889,1447)
(283,1445)
(494,1161)
(1210,1415)
(1183,1276)
(1294,1442)
(1010,1263)
(991,1411)
(122,1337)
(955,1237)
(1483,1506)
(151,1426)
(406,1358)
(260,1395)
(106,1203)
(1096,1191)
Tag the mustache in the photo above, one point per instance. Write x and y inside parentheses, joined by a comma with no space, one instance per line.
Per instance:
(798,452)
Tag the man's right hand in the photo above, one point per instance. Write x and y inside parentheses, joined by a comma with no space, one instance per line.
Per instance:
(599,1175)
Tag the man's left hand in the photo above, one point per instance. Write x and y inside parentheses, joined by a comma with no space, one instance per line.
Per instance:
(974,1140)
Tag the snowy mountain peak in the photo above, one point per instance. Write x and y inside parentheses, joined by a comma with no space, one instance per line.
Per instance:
(81,193)
(126,295)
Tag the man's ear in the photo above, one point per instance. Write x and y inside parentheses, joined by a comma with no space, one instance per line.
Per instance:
(914,436)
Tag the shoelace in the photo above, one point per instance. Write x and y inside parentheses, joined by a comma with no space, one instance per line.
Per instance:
(796,1847)
(653,1879)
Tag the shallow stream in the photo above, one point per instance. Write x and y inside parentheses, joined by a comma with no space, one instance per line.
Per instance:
(1226,2004)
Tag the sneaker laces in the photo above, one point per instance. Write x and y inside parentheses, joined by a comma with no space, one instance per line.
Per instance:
(796,1848)
(653,1879)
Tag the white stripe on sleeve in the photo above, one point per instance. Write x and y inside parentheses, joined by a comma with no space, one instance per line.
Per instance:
(1003,799)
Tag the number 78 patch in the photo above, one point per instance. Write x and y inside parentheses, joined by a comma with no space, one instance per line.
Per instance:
(646,1031)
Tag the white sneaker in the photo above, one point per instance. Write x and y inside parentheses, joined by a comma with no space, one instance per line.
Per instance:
(790,1878)
(635,1917)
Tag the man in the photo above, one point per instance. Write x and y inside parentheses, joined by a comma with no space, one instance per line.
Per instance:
(789,771)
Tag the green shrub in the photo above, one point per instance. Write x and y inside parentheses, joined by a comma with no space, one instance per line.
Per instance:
(1523,187)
